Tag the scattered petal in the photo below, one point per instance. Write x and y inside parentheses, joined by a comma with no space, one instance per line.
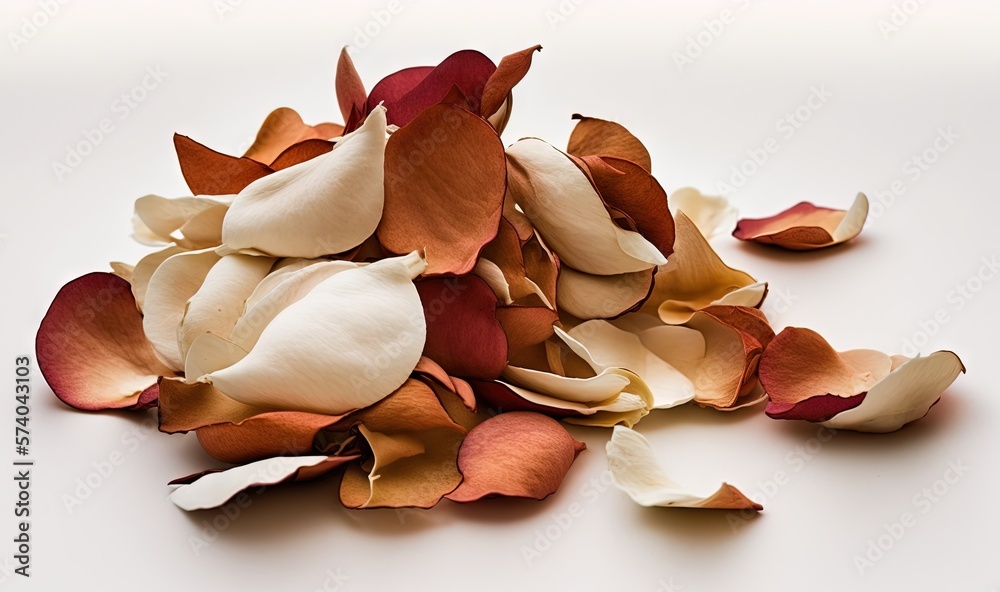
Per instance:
(635,471)
(91,348)
(517,454)
(712,214)
(804,226)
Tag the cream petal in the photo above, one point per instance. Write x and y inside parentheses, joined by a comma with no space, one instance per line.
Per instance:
(492,274)
(635,471)
(593,390)
(346,344)
(625,408)
(712,214)
(144,269)
(905,395)
(571,216)
(322,206)
(854,220)
(605,346)
(218,303)
(588,296)
(173,283)
(157,219)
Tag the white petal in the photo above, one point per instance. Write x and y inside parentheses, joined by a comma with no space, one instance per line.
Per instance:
(157,219)
(346,344)
(854,220)
(593,390)
(173,283)
(605,346)
(218,303)
(571,217)
(750,296)
(712,214)
(492,274)
(905,395)
(326,205)
(214,489)
(635,471)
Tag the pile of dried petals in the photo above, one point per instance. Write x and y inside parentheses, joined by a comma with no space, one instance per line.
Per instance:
(407,302)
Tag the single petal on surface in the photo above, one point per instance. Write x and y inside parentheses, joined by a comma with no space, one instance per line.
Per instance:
(517,454)
(284,128)
(213,489)
(323,206)
(588,296)
(605,346)
(805,226)
(91,349)
(598,137)
(635,471)
(695,277)
(509,72)
(345,345)
(562,203)
(712,214)
(445,180)
(463,333)
(208,172)
(350,89)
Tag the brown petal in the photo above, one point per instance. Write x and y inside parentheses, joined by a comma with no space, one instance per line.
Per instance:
(445,179)
(276,433)
(598,137)
(526,326)
(805,226)
(208,172)
(301,152)
(515,454)
(463,333)
(91,349)
(283,128)
(509,72)
(350,89)
(185,407)
(505,251)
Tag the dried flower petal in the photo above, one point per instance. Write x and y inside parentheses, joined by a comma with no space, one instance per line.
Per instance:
(805,226)
(598,137)
(712,214)
(91,348)
(635,471)
(208,172)
(284,128)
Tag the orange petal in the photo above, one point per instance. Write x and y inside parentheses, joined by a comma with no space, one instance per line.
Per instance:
(284,128)
(516,454)
(805,226)
(509,72)
(445,179)
(598,137)
(526,326)
(301,152)
(185,407)
(276,433)
(208,172)
(91,348)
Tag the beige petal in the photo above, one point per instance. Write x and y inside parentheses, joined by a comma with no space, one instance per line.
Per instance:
(159,220)
(322,206)
(712,214)
(345,345)
(804,226)
(144,269)
(588,296)
(571,216)
(635,471)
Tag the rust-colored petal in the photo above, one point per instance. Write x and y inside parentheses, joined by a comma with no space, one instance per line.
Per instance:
(463,333)
(516,454)
(805,226)
(507,254)
(301,152)
(599,137)
(91,349)
(350,89)
(284,128)
(526,326)
(509,72)
(445,179)
(275,433)
(208,172)
(185,407)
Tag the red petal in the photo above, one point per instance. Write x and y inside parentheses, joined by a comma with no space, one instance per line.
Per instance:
(816,409)
(350,89)
(91,348)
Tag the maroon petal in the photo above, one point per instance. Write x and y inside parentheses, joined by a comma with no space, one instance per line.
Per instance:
(91,348)
(517,454)
(350,89)
(463,334)
(815,409)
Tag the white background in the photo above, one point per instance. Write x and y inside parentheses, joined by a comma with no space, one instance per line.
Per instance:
(891,94)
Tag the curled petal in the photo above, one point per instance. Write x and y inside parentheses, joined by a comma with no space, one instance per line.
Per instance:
(143,271)
(562,203)
(463,333)
(213,489)
(507,257)
(208,172)
(91,348)
(265,435)
(860,390)
(518,454)
(157,219)
(284,128)
(351,93)
(346,344)
(445,179)
(588,296)
(624,407)
(635,471)
(509,72)
(184,407)
(598,137)
(695,277)
(712,214)
(323,206)
(804,226)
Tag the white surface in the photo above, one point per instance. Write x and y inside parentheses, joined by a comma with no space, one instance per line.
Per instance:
(608,59)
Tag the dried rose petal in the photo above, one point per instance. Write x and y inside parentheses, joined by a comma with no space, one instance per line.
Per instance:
(284,128)
(517,454)
(91,348)
(804,226)
(598,137)
(208,172)
(712,214)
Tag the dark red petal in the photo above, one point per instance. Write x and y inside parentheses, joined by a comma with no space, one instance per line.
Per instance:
(815,409)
